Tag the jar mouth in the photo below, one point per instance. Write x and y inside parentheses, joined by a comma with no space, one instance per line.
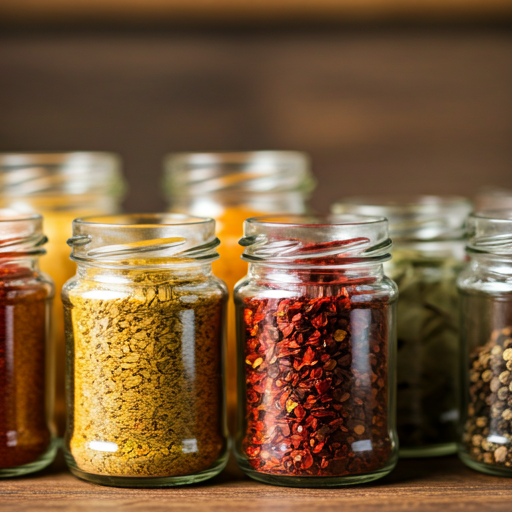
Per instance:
(414,217)
(253,172)
(144,240)
(54,174)
(313,240)
(490,232)
(21,233)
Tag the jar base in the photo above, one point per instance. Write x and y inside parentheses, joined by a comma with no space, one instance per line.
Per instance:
(164,481)
(316,482)
(434,450)
(32,467)
(489,469)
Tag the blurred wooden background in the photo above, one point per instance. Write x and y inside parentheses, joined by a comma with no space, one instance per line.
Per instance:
(380,108)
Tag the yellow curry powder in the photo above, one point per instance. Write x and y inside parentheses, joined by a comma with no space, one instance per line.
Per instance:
(145,376)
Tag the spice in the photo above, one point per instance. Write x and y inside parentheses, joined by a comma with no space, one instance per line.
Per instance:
(316,383)
(24,432)
(146,376)
(427,348)
(487,433)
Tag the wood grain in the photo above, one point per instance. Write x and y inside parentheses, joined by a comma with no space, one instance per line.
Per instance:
(213,11)
(415,486)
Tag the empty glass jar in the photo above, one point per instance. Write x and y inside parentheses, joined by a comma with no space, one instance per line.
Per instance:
(316,351)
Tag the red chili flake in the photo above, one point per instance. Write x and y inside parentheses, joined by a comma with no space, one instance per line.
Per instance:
(306,400)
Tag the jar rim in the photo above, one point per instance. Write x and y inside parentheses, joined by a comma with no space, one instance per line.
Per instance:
(337,220)
(490,232)
(33,174)
(21,233)
(140,220)
(234,173)
(414,217)
(143,240)
(313,240)
(7,215)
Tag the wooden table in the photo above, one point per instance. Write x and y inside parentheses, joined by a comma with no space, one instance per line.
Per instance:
(441,485)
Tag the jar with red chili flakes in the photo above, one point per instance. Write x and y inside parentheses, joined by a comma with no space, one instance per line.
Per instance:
(316,343)
(27,438)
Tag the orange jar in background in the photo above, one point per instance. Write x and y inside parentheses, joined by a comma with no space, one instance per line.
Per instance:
(61,187)
(231,187)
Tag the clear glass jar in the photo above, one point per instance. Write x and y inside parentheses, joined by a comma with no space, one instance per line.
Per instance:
(316,344)
(27,437)
(231,187)
(62,187)
(486,311)
(428,254)
(145,325)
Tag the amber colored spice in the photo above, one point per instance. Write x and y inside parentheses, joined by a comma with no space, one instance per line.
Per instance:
(316,383)
(24,433)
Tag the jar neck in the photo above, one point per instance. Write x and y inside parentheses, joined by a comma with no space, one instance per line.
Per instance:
(148,273)
(18,265)
(349,275)
(492,263)
(217,204)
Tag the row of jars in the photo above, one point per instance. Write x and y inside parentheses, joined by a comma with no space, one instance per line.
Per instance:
(316,341)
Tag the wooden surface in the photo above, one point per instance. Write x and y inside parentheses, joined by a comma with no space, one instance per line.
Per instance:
(243,11)
(421,485)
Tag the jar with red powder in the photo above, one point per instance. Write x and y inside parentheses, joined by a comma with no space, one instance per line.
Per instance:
(27,441)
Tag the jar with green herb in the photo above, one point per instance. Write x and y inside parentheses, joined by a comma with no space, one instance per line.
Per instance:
(485,285)
(428,254)
(145,327)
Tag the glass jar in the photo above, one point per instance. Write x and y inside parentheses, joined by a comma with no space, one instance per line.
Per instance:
(428,254)
(62,187)
(316,345)
(486,306)
(27,440)
(145,325)
(231,187)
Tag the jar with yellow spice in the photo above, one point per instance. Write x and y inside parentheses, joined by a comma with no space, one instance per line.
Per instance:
(231,187)
(62,187)
(145,327)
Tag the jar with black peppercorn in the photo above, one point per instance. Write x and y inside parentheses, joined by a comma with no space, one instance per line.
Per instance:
(144,337)
(316,345)
(486,300)
(27,437)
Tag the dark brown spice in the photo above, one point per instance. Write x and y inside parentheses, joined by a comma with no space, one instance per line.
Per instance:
(24,433)
(316,382)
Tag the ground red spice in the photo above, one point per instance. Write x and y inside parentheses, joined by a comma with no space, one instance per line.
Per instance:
(24,433)
(316,381)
